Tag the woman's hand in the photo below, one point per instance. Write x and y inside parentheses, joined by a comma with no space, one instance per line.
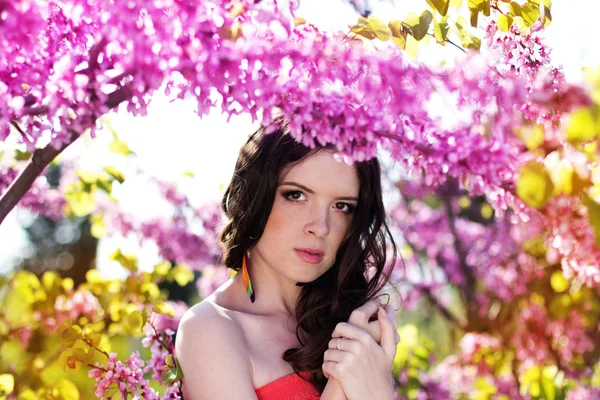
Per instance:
(362,366)
(362,315)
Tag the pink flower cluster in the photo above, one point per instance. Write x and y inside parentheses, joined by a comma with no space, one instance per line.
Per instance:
(583,393)
(126,378)
(250,54)
(572,241)
(490,251)
(81,303)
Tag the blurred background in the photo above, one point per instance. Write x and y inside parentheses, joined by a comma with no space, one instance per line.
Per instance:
(177,166)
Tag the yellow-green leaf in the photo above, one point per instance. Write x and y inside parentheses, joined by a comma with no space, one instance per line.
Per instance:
(129,261)
(534,185)
(7,384)
(421,27)
(399,41)
(162,269)
(514,9)
(363,31)
(412,46)
(82,203)
(593,215)
(474,18)
(478,5)
(120,147)
(558,282)
(182,275)
(504,22)
(532,135)
(135,320)
(440,30)
(379,28)
(440,6)
(530,13)
(67,390)
(547,15)
(115,173)
(299,21)
(583,125)
(97,229)
(22,155)
(164,308)
(396,28)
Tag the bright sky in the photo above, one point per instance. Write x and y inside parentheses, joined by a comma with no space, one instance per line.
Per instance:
(172,139)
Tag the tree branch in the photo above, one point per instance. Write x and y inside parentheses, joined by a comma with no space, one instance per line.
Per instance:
(469,286)
(42,157)
(19,187)
(443,310)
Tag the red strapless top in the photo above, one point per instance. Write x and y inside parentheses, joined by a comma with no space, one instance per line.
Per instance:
(289,387)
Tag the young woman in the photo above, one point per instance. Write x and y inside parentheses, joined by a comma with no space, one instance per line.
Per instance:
(302,320)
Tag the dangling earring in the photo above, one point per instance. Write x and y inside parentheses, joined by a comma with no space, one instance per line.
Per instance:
(247,283)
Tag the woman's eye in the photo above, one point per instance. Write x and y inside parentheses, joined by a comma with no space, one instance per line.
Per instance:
(345,207)
(293,195)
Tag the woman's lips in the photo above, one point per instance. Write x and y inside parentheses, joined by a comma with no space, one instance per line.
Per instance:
(309,258)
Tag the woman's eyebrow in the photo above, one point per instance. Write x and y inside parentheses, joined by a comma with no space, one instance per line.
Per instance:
(312,191)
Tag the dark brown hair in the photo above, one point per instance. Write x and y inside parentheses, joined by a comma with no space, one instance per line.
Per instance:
(331,298)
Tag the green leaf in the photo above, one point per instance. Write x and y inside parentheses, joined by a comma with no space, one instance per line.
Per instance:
(530,13)
(474,17)
(81,203)
(534,185)
(440,30)
(594,216)
(7,384)
(172,374)
(135,321)
(583,125)
(128,261)
(547,14)
(97,228)
(419,26)
(364,31)
(514,9)
(120,147)
(504,22)
(558,282)
(67,390)
(104,184)
(478,5)
(115,173)
(396,28)
(182,275)
(440,6)
(379,28)
(22,155)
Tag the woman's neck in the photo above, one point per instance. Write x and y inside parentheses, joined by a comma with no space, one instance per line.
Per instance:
(273,295)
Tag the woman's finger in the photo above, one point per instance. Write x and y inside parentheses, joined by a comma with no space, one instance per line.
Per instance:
(335,355)
(345,344)
(362,314)
(329,369)
(388,335)
(353,332)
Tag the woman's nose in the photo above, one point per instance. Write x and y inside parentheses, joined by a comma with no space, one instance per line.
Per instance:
(318,224)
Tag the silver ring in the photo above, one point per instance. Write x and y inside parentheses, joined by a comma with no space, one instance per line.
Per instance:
(339,343)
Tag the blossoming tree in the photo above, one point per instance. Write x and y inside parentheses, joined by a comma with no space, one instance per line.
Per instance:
(500,206)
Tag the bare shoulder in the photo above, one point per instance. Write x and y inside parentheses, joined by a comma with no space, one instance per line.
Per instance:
(212,351)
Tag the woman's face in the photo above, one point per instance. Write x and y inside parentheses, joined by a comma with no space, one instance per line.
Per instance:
(312,212)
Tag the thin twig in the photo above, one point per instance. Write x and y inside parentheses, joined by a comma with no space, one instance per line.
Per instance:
(448,41)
